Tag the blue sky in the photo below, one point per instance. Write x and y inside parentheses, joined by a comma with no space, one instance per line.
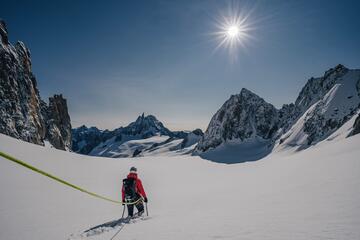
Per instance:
(114,60)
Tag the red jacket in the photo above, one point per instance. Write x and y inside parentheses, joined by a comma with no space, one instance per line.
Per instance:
(139,187)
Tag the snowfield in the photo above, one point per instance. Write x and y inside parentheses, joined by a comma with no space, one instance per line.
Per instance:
(312,194)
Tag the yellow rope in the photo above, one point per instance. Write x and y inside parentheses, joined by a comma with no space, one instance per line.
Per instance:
(24,164)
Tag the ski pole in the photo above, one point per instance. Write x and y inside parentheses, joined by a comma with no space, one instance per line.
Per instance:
(147,212)
(122,226)
(122,216)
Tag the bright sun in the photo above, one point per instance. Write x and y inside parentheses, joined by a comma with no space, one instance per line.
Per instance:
(233,31)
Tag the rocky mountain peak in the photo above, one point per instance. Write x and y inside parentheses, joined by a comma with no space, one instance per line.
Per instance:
(146,125)
(82,128)
(316,88)
(149,118)
(243,116)
(23,114)
(337,70)
(247,93)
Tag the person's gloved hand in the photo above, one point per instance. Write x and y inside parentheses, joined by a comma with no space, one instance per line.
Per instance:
(145,199)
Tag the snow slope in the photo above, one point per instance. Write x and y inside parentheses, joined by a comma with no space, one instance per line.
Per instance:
(312,194)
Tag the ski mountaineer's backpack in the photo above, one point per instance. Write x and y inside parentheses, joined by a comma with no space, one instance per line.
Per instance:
(130,189)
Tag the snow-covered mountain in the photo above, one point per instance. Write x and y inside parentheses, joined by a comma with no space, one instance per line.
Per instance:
(146,126)
(243,116)
(140,138)
(23,114)
(84,139)
(325,104)
(247,123)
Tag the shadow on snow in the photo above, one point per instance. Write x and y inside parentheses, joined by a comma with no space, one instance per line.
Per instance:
(239,152)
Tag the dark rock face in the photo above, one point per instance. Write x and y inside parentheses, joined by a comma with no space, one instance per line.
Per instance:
(243,116)
(23,114)
(86,139)
(3,33)
(19,97)
(356,127)
(288,114)
(147,126)
(58,123)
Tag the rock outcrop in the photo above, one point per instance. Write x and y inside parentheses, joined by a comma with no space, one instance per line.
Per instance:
(356,126)
(23,114)
(58,123)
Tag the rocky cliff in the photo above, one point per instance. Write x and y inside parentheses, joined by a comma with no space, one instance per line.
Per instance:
(23,114)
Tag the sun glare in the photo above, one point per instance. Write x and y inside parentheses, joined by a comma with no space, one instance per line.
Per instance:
(233,31)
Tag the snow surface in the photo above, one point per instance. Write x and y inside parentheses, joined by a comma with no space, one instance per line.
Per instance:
(312,194)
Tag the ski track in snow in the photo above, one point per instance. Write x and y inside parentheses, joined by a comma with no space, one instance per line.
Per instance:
(114,226)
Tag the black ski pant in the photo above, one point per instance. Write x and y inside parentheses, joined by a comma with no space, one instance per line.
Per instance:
(139,206)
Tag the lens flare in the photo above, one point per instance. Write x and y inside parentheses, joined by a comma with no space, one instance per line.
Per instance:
(233,31)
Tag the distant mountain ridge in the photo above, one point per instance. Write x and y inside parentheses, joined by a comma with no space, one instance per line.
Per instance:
(92,141)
